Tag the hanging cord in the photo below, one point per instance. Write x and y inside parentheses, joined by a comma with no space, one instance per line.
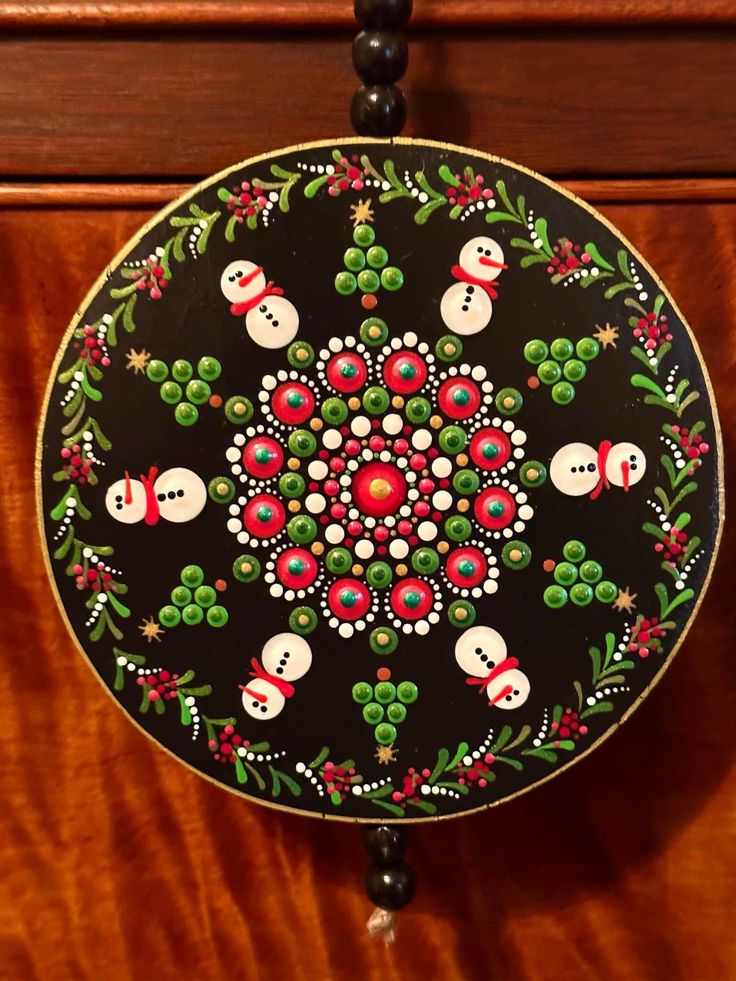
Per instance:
(380,58)
(390,882)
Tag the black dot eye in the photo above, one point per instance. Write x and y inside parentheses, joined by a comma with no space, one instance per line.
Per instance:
(508,698)
(279,670)
(633,466)
(573,469)
(471,290)
(118,498)
(478,650)
(591,467)
(269,316)
(254,704)
(263,308)
(118,507)
(480,249)
(275,323)
(287,653)
(488,251)
(633,457)
(516,691)
(491,664)
(484,657)
(161,497)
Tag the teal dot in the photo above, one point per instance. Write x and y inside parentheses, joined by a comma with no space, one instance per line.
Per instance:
(348,370)
(490,451)
(264,513)
(295,399)
(295,567)
(466,568)
(345,283)
(363,235)
(262,455)
(182,370)
(496,509)
(392,278)
(368,281)
(354,259)
(348,598)
(412,600)
(461,396)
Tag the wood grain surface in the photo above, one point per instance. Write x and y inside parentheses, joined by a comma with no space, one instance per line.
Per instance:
(120,864)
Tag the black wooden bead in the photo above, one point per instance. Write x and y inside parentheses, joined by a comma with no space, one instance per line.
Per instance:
(386,844)
(390,887)
(380,56)
(378,14)
(378,110)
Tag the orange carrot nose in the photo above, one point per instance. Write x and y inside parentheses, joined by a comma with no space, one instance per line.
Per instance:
(485,261)
(625,474)
(259,696)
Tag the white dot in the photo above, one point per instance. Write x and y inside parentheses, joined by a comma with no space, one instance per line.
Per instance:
(393,423)
(317,470)
(361,425)
(364,549)
(232,454)
(332,438)
(442,500)
(421,439)
(441,467)
(398,548)
(427,531)
(334,534)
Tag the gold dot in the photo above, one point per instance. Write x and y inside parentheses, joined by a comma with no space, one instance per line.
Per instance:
(357,569)
(295,506)
(461,614)
(435,422)
(222,489)
(302,619)
(508,402)
(463,505)
(379,489)
(442,547)
(354,403)
(461,459)
(401,569)
(397,402)
(239,408)
(302,354)
(246,568)
(516,555)
(532,474)
(293,463)
(449,349)
(382,639)
(317,548)
(316,424)
(374,332)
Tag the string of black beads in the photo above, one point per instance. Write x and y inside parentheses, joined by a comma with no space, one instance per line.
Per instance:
(390,882)
(380,57)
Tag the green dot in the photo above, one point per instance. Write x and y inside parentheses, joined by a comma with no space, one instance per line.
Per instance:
(170,392)
(509,401)
(345,283)
(384,640)
(465,482)
(334,411)
(348,598)
(587,348)
(385,734)
(192,615)
(157,371)
(407,371)
(563,393)
(425,560)
(496,509)
(264,513)
(581,594)
(209,368)
(379,575)
(376,400)
(198,391)
(302,442)
(490,451)
(457,528)
(418,409)
(385,692)
(362,693)
(407,692)
(373,712)
(338,560)
(535,351)
(169,616)
(369,281)
(574,370)
(466,568)
(246,568)
(606,591)
(217,616)
(221,490)
(561,348)
(574,551)
(392,278)
(461,614)
(591,571)
(453,439)
(354,259)
(363,235)
(302,620)
(291,485)
(555,596)
(396,713)
(377,257)
(411,599)
(516,555)
(181,595)
(461,396)
(348,370)
(181,370)
(300,354)
(374,331)
(301,529)
(192,576)
(205,596)
(565,573)
(448,348)
(532,473)
(549,372)
(238,409)
(295,399)
(186,414)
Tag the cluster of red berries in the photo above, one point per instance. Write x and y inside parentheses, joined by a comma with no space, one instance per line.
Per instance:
(569,726)
(694,447)
(654,329)
(468,191)
(98,578)
(567,257)
(161,685)
(75,465)
(646,636)
(347,177)
(92,347)
(151,277)
(477,772)
(674,546)
(227,744)
(410,783)
(337,780)
(246,201)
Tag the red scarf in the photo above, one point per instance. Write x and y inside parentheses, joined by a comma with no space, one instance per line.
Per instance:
(244,306)
(490,286)
(286,689)
(507,664)
(153,512)
(603,450)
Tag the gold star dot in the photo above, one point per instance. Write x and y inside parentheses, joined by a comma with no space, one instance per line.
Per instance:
(354,403)
(449,349)
(137,360)
(302,354)
(624,602)
(302,619)
(532,474)
(461,614)
(508,402)
(151,630)
(401,569)
(515,555)
(442,547)
(606,336)
(397,402)
(386,754)
(357,569)
(293,463)
(316,424)
(246,568)
(435,422)
(361,212)
(294,506)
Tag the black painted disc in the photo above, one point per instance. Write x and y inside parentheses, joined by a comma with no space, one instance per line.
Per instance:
(380,480)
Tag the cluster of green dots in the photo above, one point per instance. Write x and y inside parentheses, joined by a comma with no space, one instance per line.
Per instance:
(384,706)
(180,387)
(192,602)
(366,266)
(561,364)
(578,579)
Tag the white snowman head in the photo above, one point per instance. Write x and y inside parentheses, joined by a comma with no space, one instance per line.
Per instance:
(284,658)
(574,469)
(625,465)
(126,500)
(479,650)
(261,699)
(509,689)
(287,656)
(465,308)
(482,257)
(273,322)
(178,495)
(242,281)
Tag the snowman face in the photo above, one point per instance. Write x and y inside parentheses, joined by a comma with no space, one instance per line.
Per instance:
(625,465)
(241,281)
(181,494)
(482,258)
(273,323)
(509,690)
(287,656)
(466,309)
(574,469)
(262,700)
(126,501)
(479,650)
